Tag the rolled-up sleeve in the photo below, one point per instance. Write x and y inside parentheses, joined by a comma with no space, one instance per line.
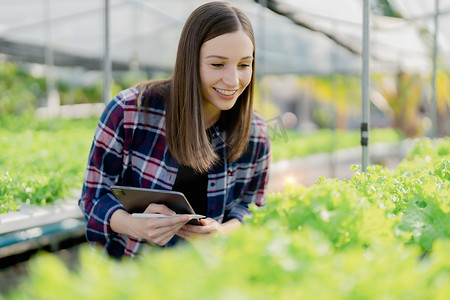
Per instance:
(103,170)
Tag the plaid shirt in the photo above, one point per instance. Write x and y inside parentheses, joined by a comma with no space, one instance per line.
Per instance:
(126,151)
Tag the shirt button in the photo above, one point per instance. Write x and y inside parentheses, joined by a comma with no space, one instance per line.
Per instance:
(213,183)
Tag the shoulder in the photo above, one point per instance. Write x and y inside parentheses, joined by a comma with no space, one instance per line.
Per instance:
(125,105)
(258,148)
(116,108)
(259,139)
(258,128)
(128,99)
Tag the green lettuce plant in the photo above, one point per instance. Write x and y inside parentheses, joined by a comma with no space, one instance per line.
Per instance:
(362,238)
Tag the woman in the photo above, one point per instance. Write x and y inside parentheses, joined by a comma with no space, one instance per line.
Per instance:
(195,133)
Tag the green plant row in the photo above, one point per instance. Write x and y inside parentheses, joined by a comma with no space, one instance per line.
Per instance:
(362,238)
(42,161)
(292,144)
(411,203)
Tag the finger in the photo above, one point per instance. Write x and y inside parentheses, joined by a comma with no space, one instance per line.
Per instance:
(199,229)
(204,221)
(207,225)
(176,221)
(183,233)
(163,239)
(159,208)
(162,235)
(189,236)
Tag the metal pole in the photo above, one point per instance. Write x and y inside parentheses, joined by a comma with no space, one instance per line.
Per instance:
(261,60)
(433,80)
(365,88)
(53,100)
(106,57)
(262,31)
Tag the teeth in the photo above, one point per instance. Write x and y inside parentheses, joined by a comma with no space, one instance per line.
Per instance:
(226,92)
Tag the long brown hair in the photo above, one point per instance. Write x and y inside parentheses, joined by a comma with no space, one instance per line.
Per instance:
(186,135)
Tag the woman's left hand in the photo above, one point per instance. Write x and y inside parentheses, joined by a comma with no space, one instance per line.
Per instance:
(209,226)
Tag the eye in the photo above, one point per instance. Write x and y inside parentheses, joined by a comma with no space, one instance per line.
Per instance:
(245,65)
(217,65)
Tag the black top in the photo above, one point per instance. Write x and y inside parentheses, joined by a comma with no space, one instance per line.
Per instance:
(194,187)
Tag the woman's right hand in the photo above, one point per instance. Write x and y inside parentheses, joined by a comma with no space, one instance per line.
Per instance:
(156,230)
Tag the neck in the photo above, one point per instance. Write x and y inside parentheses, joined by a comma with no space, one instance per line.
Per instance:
(211,117)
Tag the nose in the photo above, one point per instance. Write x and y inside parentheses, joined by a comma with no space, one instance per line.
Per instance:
(231,77)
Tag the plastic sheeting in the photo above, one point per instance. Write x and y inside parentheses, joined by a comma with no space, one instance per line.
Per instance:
(420,14)
(145,34)
(395,45)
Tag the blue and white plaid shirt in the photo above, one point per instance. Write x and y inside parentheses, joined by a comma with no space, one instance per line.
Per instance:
(128,152)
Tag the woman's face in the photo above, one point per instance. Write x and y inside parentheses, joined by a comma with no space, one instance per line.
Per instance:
(225,71)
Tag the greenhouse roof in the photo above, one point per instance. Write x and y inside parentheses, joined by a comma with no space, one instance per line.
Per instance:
(145,33)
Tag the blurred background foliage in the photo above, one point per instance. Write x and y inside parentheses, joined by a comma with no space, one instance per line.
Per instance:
(318,113)
(400,101)
(21,92)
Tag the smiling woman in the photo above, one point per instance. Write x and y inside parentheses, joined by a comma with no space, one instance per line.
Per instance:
(225,72)
(194,133)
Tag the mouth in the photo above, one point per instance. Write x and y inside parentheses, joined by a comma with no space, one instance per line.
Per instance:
(226,92)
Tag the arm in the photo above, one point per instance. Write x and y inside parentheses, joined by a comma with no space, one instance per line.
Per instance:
(103,170)
(260,157)
(105,216)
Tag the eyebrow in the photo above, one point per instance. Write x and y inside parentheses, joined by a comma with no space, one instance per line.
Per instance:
(223,57)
